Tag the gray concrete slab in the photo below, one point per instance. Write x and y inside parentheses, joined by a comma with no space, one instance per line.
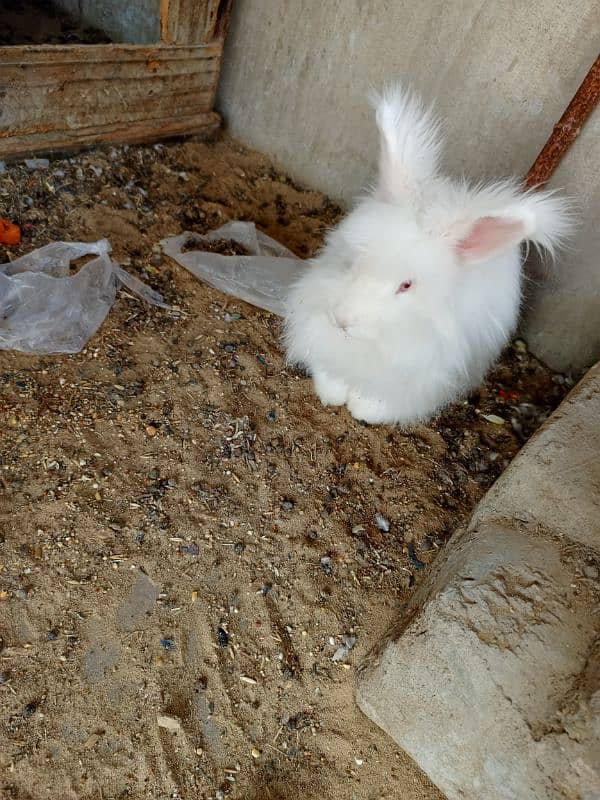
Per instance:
(491,681)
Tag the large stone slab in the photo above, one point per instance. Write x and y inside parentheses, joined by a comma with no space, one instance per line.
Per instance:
(491,681)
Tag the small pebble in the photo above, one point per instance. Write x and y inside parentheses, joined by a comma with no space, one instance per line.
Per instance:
(416,562)
(272,415)
(37,163)
(342,652)
(326,565)
(255,752)
(151,430)
(169,723)
(520,346)
(382,523)
(167,644)
(239,548)
(493,418)
(287,505)
(190,549)
(222,637)
(29,710)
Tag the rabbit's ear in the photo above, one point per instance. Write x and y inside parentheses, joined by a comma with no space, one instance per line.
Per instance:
(488,236)
(410,145)
(512,217)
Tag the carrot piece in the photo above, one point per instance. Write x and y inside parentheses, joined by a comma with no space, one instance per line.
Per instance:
(9,232)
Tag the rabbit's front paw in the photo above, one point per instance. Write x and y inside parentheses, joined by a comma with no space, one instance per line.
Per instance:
(367,409)
(331,392)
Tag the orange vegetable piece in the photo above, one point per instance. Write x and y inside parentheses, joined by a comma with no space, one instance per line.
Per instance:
(9,232)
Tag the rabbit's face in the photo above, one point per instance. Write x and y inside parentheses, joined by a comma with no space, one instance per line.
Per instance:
(397,280)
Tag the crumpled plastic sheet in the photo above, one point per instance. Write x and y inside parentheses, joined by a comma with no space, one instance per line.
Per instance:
(261,278)
(44,309)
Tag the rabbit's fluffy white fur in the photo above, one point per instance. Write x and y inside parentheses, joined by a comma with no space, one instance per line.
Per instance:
(418,289)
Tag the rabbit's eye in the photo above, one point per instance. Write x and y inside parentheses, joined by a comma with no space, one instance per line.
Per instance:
(404,287)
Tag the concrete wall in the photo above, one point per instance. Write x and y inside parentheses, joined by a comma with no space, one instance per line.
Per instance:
(296,74)
(562,321)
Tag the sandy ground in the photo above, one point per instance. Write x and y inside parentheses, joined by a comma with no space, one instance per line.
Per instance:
(187,537)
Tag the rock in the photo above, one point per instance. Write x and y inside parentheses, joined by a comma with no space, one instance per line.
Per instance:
(17,630)
(564,501)
(382,523)
(37,163)
(169,723)
(138,604)
(491,681)
(342,653)
(222,637)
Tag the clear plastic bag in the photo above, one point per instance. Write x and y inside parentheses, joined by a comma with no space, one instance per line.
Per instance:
(44,309)
(261,278)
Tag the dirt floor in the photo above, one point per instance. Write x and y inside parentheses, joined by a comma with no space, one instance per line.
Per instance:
(188,538)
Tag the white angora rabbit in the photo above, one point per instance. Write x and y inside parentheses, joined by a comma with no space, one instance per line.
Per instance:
(418,289)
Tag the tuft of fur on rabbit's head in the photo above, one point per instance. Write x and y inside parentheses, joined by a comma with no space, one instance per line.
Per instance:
(417,289)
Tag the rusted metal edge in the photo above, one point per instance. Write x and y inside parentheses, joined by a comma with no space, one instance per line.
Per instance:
(566,129)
